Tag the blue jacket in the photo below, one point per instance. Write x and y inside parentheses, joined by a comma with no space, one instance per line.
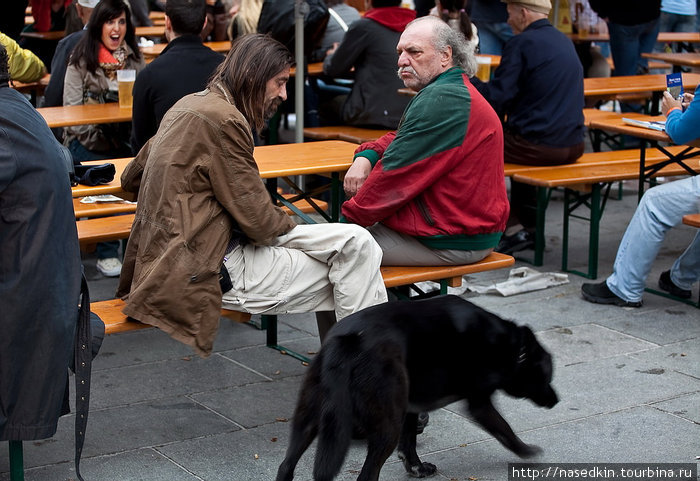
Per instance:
(539,87)
(684,127)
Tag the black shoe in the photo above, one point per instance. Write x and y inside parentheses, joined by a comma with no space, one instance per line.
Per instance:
(666,284)
(601,294)
(519,241)
(423,420)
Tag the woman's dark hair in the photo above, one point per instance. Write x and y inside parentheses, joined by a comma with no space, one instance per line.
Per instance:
(453,6)
(253,60)
(88,46)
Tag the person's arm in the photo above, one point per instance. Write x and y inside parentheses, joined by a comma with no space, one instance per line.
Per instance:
(425,149)
(504,85)
(682,127)
(366,157)
(343,59)
(24,65)
(143,118)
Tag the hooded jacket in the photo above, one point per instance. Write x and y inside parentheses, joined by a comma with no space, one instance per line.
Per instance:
(369,46)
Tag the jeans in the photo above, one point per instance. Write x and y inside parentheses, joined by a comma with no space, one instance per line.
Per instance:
(492,37)
(628,42)
(673,22)
(660,209)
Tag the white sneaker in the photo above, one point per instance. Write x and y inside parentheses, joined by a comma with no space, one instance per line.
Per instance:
(110,267)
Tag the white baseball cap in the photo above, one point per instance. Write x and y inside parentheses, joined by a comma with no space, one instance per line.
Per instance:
(88,3)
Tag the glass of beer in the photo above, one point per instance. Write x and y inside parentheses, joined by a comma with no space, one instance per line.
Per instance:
(125,80)
(483,70)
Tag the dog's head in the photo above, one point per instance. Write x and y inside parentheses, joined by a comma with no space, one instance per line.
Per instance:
(533,372)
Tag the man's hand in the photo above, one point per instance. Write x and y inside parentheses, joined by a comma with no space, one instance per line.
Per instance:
(356,175)
(669,103)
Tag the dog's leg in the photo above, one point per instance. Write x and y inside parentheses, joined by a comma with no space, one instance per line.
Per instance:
(380,445)
(491,420)
(407,450)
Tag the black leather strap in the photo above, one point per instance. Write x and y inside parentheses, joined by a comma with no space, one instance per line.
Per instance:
(83,368)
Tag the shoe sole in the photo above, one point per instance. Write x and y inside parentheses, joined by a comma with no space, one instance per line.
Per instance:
(609,300)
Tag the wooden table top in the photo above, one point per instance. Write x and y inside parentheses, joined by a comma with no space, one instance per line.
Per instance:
(157,49)
(281,160)
(602,86)
(614,123)
(67,115)
(664,37)
(154,31)
(692,219)
(687,59)
(40,85)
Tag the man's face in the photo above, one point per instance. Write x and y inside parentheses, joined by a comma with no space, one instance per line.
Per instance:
(516,18)
(276,92)
(419,62)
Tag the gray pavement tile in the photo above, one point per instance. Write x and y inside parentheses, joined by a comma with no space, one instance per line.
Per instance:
(671,322)
(609,438)
(255,404)
(596,387)
(587,342)
(138,465)
(273,363)
(127,428)
(166,379)
(687,407)
(682,357)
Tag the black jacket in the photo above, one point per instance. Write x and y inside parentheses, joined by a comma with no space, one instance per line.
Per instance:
(53,96)
(627,12)
(184,67)
(539,87)
(39,273)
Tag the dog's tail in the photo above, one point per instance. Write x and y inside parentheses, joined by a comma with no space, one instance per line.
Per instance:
(336,419)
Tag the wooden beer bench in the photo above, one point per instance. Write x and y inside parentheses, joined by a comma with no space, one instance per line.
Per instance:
(110,311)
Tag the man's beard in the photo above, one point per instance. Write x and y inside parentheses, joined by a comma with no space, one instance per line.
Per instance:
(415,83)
(271,107)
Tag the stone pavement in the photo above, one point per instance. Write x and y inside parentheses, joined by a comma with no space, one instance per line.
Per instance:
(628,380)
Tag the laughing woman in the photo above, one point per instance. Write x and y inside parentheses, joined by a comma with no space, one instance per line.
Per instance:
(109,45)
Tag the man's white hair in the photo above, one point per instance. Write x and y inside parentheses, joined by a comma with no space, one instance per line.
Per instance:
(444,36)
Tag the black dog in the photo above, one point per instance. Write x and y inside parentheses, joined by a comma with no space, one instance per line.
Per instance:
(380,367)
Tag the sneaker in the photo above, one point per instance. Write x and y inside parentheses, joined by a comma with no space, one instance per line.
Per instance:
(601,294)
(519,241)
(110,267)
(666,284)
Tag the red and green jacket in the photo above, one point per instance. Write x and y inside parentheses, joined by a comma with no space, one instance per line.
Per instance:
(439,177)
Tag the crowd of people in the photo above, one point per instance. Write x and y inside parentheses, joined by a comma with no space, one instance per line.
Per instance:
(430,192)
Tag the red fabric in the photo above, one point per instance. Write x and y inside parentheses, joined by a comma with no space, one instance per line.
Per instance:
(105,56)
(41,11)
(394,18)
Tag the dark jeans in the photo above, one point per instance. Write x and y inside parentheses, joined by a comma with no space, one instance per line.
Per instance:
(523,197)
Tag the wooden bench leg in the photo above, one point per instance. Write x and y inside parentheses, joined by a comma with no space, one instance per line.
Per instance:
(16,461)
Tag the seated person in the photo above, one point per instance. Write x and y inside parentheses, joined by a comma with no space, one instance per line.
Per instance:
(538,89)
(202,203)
(91,77)
(660,209)
(24,65)
(433,193)
(184,59)
(369,46)
(341,17)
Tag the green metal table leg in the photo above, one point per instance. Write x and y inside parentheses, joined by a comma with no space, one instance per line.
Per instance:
(593,234)
(565,233)
(542,201)
(16,461)
(336,196)
(271,332)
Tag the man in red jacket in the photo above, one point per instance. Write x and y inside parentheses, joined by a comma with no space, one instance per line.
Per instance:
(433,192)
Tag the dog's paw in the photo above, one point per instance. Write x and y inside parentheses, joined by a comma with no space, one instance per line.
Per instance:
(423,470)
(528,450)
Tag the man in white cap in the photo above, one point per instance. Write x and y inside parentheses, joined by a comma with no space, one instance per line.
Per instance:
(538,88)
(53,96)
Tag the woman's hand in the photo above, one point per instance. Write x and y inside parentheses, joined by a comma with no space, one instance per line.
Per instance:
(356,175)
(668,103)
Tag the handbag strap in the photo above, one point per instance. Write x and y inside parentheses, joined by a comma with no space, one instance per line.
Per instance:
(83,367)
(337,18)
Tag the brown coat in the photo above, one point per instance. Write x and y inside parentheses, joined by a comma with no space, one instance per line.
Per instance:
(196,175)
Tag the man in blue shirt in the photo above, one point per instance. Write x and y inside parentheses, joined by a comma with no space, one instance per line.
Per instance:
(538,89)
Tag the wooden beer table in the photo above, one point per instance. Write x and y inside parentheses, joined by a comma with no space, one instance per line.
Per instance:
(682,59)
(157,49)
(69,115)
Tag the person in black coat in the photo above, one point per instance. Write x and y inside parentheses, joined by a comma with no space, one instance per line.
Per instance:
(184,67)
(40,271)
